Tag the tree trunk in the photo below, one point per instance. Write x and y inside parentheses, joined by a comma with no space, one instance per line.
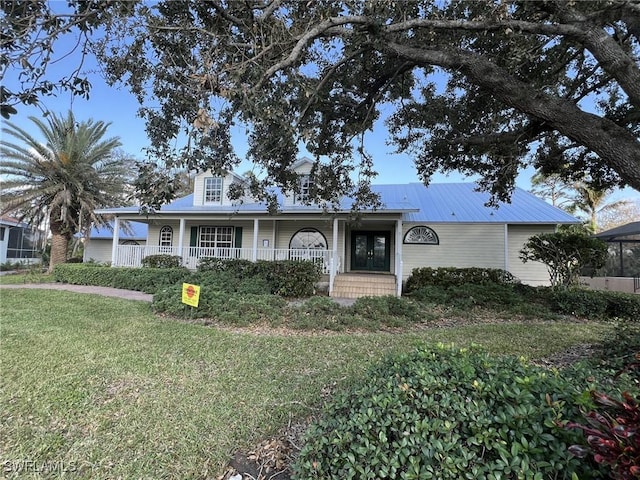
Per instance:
(59,245)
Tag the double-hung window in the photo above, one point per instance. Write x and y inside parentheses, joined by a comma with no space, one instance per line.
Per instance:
(213,190)
(305,189)
(218,238)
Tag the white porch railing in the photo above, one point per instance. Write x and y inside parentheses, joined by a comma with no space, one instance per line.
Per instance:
(132,255)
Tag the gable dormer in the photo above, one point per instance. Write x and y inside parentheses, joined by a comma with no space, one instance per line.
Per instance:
(212,190)
(303,169)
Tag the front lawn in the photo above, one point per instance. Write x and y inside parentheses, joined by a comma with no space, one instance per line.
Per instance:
(105,389)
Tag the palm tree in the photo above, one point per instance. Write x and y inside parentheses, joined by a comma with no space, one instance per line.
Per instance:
(60,181)
(593,202)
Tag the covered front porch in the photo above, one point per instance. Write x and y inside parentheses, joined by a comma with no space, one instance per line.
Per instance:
(337,246)
(132,255)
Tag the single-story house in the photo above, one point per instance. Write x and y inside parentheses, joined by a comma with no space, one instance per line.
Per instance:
(18,241)
(98,244)
(443,225)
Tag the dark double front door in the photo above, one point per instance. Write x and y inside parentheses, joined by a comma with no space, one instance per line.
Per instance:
(370,251)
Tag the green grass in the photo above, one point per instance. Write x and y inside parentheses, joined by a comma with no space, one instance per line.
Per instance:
(27,277)
(105,386)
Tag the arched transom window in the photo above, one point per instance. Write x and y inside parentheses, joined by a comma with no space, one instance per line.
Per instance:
(308,239)
(422,235)
(166,236)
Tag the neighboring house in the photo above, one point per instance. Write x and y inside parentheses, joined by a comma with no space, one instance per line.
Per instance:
(98,245)
(18,241)
(443,225)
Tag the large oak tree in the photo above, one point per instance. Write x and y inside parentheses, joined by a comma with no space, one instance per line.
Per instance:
(484,87)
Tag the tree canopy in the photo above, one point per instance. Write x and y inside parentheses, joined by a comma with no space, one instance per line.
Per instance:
(483,87)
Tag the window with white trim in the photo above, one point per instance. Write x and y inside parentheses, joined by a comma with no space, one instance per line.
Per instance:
(305,189)
(308,239)
(213,190)
(166,236)
(211,237)
(422,235)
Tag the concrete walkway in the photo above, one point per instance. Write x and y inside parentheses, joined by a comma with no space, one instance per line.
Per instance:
(104,291)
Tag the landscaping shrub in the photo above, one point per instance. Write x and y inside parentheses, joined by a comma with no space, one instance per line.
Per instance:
(238,267)
(469,295)
(446,413)
(595,304)
(287,278)
(449,276)
(388,310)
(162,261)
(612,431)
(614,435)
(290,278)
(239,309)
(147,280)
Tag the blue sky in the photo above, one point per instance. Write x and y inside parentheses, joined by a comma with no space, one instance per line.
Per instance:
(118,106)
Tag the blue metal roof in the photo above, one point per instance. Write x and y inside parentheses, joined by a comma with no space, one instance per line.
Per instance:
(437,203)
(132,231)
(462,203)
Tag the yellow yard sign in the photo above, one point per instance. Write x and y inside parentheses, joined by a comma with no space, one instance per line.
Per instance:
(190,294)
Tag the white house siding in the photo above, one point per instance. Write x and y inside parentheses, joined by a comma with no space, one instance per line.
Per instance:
(198,188)
(287,228)
(98,250)
(532,273)
(153,235)
(461,245)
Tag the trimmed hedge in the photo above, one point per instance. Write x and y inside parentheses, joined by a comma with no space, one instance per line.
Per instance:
(450,276)
(595,304)
(162,261)
(286,278)
(147,280)
(445,413)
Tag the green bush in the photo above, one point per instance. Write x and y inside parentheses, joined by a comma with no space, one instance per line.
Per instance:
(444,413)
(162,261)
(290,278)
(147,280)
(595,304)
(287,278)
(238,267)
(449,276)
(470,295)
(239,309)
(388,310)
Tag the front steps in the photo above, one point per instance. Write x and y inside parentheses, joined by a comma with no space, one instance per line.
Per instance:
(356,285)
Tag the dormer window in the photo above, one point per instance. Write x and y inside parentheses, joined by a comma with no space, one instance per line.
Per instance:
(305,188)
(213,190)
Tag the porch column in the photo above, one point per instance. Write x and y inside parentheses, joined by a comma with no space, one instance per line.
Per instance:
(334,256)
(181,236)
(506,247)
(254,255)
(116,241)
(399,257)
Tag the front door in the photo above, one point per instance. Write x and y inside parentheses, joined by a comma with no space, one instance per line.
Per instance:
(370,251)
